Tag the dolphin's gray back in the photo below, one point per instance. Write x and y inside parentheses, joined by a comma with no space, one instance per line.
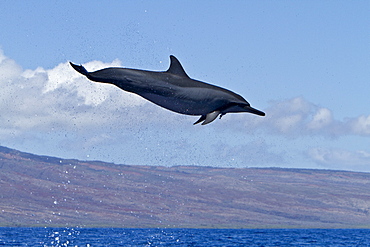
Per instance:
(159,82)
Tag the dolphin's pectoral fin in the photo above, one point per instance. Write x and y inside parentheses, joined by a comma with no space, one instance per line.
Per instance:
(203,117)
(210,117)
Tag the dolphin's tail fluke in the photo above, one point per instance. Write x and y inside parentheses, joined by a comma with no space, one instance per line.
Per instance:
(79,68)
(254,111)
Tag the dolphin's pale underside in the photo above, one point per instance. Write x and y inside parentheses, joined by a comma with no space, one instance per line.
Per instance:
(174,90)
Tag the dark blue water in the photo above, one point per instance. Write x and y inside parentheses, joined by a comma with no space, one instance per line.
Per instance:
(181,237)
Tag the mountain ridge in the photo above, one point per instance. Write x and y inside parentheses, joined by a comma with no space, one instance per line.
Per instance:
(49,191)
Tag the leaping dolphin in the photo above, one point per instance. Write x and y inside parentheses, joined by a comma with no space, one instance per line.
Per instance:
(174,90)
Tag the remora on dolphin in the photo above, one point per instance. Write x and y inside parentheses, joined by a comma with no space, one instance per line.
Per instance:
(174,90)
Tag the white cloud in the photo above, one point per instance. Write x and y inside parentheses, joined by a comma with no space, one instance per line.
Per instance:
(360,125)
(8,69)
(349,160)
(92,93)
(298,117)
(322,118)
(62,98)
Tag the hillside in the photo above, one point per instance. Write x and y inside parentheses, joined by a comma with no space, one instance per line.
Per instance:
(48,191)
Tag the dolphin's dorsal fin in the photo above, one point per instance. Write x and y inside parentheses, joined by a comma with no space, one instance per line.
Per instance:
(176,67)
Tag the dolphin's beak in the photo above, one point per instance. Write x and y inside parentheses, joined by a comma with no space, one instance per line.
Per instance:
(254,111)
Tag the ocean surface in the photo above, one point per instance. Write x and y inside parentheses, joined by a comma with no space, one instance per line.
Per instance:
(182,237)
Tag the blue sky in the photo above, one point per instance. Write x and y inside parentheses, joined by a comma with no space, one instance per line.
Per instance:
(305,63)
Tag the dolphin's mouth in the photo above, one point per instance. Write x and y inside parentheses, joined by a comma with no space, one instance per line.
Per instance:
(254,111)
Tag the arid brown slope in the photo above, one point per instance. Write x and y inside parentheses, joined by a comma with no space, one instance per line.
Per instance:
(48,191)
